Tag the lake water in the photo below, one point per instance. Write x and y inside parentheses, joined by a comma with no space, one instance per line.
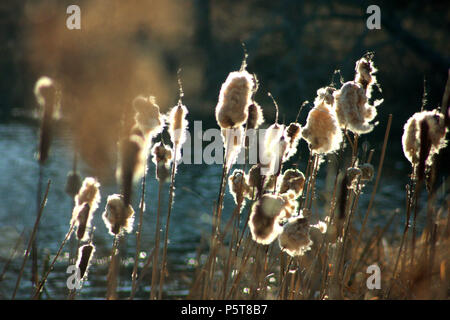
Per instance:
(196,190)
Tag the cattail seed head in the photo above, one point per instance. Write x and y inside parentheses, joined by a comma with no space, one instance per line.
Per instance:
(353,175)
(352,109)
(321,226)
(234,99)
(148,117)
(325,94)
(255,116)
(86,202)
(239,188)
(290,204)
(322,130)
(367,171)
(365,71)
(85,254)
(118,217)
(89,193)
(162,158)
(294,239)
(292,135)
(292,180)
(45,92)
(131,164)
(273,149)
(255,179)
(82,220)
(73,184)
(177,127)
(233,141)
(412,136)
(264,218)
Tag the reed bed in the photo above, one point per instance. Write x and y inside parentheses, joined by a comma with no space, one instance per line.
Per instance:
(276,243)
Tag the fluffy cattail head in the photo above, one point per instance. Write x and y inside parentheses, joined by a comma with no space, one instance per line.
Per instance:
(292,180)
(239,188)
(117,216)
(432,123)
(45,92)
(325,95)
(89,193)
(255,179)
(234,98)
(147,116)
(255,116)
(233,141)
(292,135)
(178,126)
(162,158)
(85,254)
(290,204)
(365,71)
(86,202)
(131,166)
(353,111)
(270,154)
(322,130)
(294,239)
(264,218)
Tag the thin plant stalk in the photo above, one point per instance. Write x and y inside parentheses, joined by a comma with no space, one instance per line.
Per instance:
(30,242)
(138,235)
(372,197)
(166,235)
(34,248)
(44,278)
(157,240)
(113,270)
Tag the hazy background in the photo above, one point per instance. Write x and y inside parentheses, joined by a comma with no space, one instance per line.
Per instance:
(129,47)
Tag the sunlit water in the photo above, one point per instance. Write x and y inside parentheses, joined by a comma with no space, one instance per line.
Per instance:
(196,190)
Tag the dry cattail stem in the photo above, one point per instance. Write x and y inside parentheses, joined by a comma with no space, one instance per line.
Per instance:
(177,131)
